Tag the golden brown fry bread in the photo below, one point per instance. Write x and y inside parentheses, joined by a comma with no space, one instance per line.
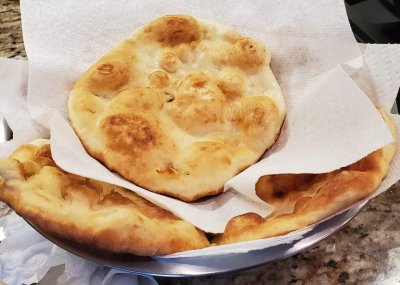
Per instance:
(304,199)
(88,211)
(179,107)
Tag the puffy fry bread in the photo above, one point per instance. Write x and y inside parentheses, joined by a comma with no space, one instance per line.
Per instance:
(304,199)
(179,107)
(88,211)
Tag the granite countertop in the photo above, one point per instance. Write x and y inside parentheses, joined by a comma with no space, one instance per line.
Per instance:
(366,251)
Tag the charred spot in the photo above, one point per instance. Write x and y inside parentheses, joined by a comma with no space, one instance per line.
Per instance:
(247,46)
(169,97)
(279,194)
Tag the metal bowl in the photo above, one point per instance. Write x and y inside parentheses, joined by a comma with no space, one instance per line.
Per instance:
(201,266)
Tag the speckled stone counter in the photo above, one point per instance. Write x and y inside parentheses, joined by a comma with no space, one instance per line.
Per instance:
(366,251)
(11,42)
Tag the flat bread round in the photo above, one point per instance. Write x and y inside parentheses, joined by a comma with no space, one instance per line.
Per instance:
(179,107)
(87,211)
(304,199)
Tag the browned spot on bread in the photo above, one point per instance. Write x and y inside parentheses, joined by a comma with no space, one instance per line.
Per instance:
(208,155)
(352,183)
(148,99)
(183,51)
(131,133)
(199,83)
(368,163)
(195,79)
(25,153)
(242,223)
(108,76)
(258,111)
(114,198)
(232,83)
(260,117)
(175,29)
(274,189)
(158,78)
(301,203)
(249,54)
(168,169)
(169,61)
(43,156)
(198,106)
(194,114)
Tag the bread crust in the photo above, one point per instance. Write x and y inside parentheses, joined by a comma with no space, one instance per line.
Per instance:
(304,199)
(90,212)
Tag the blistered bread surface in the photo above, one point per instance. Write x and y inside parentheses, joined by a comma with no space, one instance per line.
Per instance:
(301,200)
(88,211)
(179,107)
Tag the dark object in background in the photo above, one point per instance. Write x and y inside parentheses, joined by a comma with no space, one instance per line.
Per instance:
(375,21)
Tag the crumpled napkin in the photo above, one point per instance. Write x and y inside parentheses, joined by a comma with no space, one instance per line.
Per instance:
(13,84)
(26,257)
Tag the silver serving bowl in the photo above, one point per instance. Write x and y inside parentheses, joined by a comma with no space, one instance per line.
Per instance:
(201,266)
